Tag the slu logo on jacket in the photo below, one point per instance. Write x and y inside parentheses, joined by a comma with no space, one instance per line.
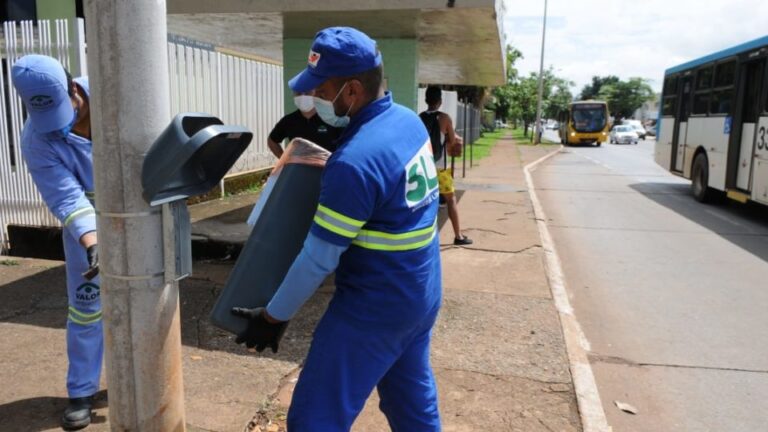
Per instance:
(421,175)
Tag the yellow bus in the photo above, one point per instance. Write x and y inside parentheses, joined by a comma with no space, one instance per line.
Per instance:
(585,122)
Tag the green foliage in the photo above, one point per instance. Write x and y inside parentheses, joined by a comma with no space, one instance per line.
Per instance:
(624,97)
(503,97)
(591,91)
(517,99)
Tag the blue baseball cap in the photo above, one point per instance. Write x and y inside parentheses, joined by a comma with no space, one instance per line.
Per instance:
(336,52)
(42,84)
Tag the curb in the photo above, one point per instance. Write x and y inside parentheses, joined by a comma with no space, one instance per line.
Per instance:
(577,346)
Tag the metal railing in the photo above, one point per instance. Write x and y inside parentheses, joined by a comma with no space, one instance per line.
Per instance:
(469,126)
(235,87)
(20,202)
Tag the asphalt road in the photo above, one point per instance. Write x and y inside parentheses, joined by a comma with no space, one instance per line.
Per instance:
(671,294)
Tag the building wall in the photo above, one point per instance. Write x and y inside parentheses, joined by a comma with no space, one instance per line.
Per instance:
(400,67)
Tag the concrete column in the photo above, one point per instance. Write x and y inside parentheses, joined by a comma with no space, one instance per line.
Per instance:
(128,65)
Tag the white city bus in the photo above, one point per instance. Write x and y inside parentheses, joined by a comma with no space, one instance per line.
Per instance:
(713,123)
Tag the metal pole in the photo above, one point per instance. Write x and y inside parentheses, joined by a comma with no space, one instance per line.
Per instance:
(471,146)
(130,106)
(453,164)
(536,125)
(467,137)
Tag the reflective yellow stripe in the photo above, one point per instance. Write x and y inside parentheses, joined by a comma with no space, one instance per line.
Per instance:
(400,236)
(395,248)
(334,229)
(336,215)
(83,314)
(78,213)
(378,240)
(84,322)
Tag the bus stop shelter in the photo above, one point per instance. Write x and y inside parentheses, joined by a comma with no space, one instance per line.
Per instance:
(428,42)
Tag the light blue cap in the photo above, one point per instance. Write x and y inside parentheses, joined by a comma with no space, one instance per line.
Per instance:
(42,84)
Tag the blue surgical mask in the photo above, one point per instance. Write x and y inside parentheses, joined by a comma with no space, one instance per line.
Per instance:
(326,111)
(64,132)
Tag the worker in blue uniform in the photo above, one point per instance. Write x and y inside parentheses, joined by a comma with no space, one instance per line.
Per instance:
(375,226)
(56,146)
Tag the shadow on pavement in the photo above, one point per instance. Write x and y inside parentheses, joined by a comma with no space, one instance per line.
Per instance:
(744,225)
(40,300)
(33,414)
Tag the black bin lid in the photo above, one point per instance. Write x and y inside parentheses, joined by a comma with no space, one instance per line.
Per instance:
(190,157)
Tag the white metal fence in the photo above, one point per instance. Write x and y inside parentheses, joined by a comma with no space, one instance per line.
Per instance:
(238,89)
(20,202)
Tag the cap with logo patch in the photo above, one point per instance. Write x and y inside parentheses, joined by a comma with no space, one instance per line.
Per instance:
(42,84)
(336,52)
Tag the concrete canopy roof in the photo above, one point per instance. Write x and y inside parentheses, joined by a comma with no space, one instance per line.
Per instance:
(459,45)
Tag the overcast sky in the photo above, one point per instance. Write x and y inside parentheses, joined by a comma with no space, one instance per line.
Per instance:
(626,38)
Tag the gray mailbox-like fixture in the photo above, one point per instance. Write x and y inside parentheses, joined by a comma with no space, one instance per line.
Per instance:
(189,158)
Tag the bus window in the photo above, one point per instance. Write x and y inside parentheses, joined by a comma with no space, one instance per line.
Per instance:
(670,86)
(721,102)
(669,106)
(700,103)
(589,117)
(725,74)
(704,79)
(765,103)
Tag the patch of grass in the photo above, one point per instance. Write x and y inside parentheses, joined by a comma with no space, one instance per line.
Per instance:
(521,139)
(9,263)
(482,147)
(251,188)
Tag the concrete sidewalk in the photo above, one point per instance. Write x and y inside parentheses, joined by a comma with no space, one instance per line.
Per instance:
(498,350)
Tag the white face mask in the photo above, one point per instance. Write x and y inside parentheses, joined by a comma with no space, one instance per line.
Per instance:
(304,103)
(326,111)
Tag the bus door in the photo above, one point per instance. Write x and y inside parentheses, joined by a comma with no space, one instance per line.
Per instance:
(752,81)
(681,123)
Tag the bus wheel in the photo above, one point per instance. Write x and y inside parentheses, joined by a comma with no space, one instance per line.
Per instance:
(700,179)
(597,143)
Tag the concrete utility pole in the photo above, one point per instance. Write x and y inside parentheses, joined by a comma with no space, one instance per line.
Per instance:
(130,106)
(537,138)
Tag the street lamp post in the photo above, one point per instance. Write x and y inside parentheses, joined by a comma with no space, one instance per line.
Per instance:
(537,126)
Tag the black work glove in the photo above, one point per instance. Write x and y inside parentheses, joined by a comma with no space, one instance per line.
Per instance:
(260,332)
(93,262)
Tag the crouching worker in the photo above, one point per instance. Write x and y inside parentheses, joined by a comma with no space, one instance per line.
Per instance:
(56,144)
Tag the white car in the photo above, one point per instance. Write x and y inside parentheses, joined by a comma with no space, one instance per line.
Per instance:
(623,134)
(637,126)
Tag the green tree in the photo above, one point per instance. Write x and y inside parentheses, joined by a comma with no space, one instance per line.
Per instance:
(591,91)
(524,98)
(625,97)
(557,94)
(502,95)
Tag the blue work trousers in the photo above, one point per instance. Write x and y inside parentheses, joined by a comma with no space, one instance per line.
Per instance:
(85,337)
(348,359)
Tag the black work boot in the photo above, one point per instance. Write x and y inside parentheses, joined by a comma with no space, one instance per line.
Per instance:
(78,413)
